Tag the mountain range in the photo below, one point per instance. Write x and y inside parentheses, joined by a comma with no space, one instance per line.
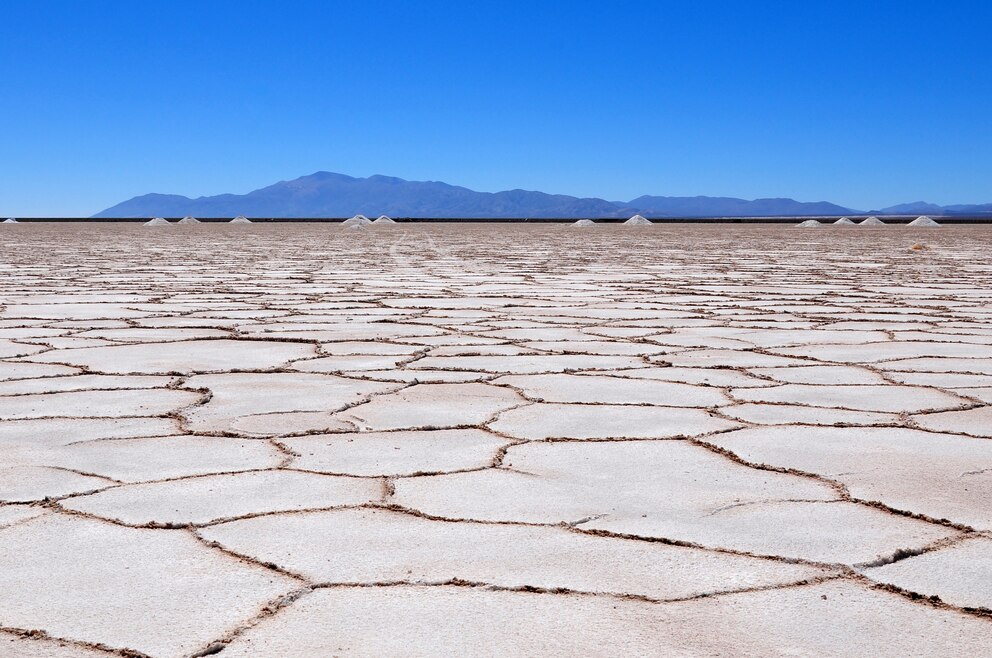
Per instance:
(326,194)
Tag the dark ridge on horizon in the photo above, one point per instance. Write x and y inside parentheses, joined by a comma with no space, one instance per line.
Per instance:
(327,194)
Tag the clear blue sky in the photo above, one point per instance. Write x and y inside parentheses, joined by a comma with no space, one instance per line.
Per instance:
(863,103)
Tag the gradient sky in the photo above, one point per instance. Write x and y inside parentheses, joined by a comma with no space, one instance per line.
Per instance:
(863,103)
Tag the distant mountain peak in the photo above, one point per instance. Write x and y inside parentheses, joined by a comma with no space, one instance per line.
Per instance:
(330,194)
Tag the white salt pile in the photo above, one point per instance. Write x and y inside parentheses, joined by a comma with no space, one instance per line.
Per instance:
(158,221)
(637,220)
(189,220)
(871,221)
(843,221)
(357,220)
(240,219)
(10,220)
(923,220)
(584,222)
(809,223)
(383,220)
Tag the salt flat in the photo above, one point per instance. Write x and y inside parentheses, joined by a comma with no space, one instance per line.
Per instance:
(299,440)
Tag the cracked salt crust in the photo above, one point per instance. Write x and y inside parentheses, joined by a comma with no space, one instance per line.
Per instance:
(500,413)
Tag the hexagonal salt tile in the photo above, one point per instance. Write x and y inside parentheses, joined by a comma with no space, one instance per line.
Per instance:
(336,549)
(960,574)
(134,460)
(613,390)
(939,475)
(431,406)
(209,498)
(105,404)
(237,397)
(395,453)
(672,490)
(158,592)
(182,356)
(836,618)
(887,398)
(976,422)
(602,421)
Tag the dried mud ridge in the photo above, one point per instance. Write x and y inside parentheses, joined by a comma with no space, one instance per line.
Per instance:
(287,440)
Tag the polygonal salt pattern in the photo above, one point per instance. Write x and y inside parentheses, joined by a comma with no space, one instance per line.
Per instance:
(295,441)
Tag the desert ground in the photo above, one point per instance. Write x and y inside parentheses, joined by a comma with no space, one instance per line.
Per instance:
(304,440)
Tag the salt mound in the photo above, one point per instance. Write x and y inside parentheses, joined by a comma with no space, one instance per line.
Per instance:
(357,220)
(637,220)
(871,221)
(584,222)
(809,223)
(240,219)
(189,220)
(10,220)
(843,221)
(158,221)
(923,220)
(383,220)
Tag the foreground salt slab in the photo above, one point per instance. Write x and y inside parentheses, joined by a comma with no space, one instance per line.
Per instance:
(336,549)
(729,508)
(831,619)
(940,475)
(211,498)
(161,593)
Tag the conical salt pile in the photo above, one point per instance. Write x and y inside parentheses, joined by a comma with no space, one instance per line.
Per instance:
(843,221)
(361,220)
(10,220)
(637,220)
(809,223)
(923,220)
(383,220)
(240,219)
(189,220)
(157,221)
(871,221)
(584,222)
